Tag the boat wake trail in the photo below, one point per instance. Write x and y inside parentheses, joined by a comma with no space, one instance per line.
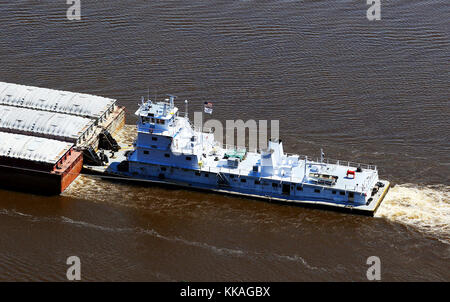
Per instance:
(424,207)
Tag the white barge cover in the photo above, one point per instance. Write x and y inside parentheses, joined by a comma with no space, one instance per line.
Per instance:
(32,148)
(55,100)
(48,124)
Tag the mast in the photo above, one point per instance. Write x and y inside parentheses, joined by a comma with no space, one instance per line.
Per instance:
(171,100)
(304,177)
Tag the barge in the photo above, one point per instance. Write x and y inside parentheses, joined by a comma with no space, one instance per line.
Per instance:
(36,164)
(45,135)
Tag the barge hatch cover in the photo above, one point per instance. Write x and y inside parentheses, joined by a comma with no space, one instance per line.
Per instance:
(32,148)
(80,104)
(44,123)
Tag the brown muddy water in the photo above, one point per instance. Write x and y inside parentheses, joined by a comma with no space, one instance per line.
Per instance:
(374,92)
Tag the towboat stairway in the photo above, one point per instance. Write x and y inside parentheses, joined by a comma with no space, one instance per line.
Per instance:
(222,180)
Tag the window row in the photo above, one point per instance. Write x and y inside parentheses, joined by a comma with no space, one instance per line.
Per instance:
(153,120)
(299,187)
(167,155)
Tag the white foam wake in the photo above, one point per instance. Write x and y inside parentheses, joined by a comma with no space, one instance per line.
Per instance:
(424,207)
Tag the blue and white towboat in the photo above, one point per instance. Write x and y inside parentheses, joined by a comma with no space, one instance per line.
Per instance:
(168,150)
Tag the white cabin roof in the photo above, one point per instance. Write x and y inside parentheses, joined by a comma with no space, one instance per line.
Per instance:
(43,122)
(160,110)
(54,100)
(32,148)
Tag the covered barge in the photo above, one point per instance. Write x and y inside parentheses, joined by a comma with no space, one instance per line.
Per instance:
(37,164)
(45,135)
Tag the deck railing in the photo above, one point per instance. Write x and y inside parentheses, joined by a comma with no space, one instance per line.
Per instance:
(311,159)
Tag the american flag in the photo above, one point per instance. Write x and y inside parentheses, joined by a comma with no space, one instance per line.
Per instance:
(208,107)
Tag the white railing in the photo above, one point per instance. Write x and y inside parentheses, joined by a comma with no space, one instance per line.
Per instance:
(369,180)
(310,158)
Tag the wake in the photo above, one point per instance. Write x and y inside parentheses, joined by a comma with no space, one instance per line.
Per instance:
(424,207)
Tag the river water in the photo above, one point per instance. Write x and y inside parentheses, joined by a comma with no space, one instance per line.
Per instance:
(374,92)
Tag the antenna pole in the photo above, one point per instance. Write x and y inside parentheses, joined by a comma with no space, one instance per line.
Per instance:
(306,159)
